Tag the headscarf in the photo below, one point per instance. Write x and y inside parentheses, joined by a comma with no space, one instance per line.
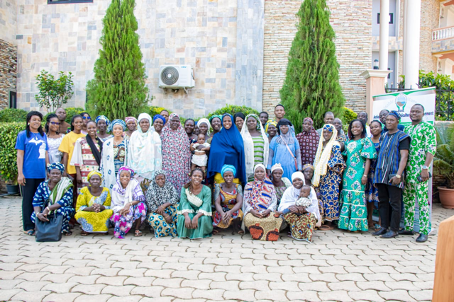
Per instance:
(117,122)
(130,118)
(308,142)
(103,118)
(218,116)
(249,148)
(158,116)
(308,166)
(239,114)
(176,155)
(204,121)
(323,155)
(262,193)
(57,166)
(277,166)
(121,196)
(395,114)
(157,196)
(287,138)
(227,148)
(125,168)
(270,123)
(299,175)
(93,173)
(226,168)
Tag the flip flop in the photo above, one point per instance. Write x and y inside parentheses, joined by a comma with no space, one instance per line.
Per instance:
(30,232)
(138,233)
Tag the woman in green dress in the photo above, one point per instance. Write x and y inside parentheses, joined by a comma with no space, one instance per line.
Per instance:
(359,150)
(194,211)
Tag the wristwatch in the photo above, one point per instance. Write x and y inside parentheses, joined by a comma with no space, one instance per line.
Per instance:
(397,176)
(425,167)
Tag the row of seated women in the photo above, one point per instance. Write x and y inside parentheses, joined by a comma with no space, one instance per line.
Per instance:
(190,214)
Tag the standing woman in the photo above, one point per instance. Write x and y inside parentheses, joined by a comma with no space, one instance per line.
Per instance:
(54,138)
(87,155)
(144,154)
(329,166)
(114,153)
(216,124)
(128,204)
(371,191)
(158,123)
(86,118)
(285,150)
(280,183)
(189,126)
(102,122)
(239,119)
(271,130)
(227,148)
(204,127)
(176,156)
(256,144)
(32,158)
(308,141)
(131,125)
(194,210)
(359,151)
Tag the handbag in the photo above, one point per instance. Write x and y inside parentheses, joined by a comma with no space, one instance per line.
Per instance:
(49,231)
(294,158)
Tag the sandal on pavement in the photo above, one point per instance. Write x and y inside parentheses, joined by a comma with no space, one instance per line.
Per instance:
(30,232)
(138,233)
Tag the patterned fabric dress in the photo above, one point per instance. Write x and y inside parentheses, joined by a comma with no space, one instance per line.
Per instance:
(308,142)
(329,185)
(423,141)
(45,197)
(176,155)
(84,158)
(371,191)
(353,215)
(93,222)
(228,201)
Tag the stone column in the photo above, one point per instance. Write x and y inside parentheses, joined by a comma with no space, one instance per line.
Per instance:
(411,42)
(384,35)
(375,84)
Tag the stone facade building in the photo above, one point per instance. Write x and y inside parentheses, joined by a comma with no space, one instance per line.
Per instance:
(238,49)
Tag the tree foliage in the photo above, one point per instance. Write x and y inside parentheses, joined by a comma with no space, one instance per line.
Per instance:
(311,86)
(53,93)
(118,88)
(8,163)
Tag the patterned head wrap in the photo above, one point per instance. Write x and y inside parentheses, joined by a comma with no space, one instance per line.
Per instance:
(130,118)
(94,173)
(102,118)
(117,122)
(158,116)
(219,117)
(57,166)
(276,167)
(255,117)
(308,119)
(395,114)
(297,175)
(308,166)
(328,127)
(226,168)
(270,123)
(125,168)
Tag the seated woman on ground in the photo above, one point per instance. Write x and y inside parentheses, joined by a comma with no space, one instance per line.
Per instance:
(93,206)
(228,200)
(162,202)
(54,197)
(128,204)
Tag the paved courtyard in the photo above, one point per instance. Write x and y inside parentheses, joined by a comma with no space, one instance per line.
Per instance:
(338,266)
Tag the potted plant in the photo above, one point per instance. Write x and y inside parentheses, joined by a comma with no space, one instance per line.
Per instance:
(444,164)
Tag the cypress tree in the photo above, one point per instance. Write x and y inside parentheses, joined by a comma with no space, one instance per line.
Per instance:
(118,88)
(311,86)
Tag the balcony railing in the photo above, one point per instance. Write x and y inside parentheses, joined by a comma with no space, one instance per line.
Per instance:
(443,33)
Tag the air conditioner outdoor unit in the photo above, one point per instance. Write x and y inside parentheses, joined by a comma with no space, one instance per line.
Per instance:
(176,76)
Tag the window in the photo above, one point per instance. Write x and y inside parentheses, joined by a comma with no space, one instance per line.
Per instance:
(68,1)
(12,100)
(391,18)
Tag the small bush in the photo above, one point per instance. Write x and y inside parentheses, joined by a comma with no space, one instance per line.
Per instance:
(153,110)
(232,109)
(349,115)
(8,164)
(11,115)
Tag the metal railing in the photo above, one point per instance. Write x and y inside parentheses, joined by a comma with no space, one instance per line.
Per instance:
(443,33)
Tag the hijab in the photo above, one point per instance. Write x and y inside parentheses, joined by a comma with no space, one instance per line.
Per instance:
(207,122)
(227,144)
(249,149)
(324,154)
(157,196)
(287,138)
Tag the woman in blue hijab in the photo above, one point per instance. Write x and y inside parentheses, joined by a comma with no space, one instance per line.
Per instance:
(227,148)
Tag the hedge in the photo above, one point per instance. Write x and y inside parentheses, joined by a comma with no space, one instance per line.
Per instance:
(12,115)
(232,109)
(8,165)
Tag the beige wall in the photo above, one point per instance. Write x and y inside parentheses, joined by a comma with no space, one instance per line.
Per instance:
(8,21)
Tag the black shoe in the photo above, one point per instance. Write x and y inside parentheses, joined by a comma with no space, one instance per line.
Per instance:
(381,231)
(390,234)
(405,232)
(422,238)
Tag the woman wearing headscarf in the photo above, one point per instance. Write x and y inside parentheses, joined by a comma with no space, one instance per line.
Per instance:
(162,199)
(144,154)
(227,148)
(216,125)
(114,153)
(256,144)
(302,220)
(128,204)
(54,197)
(308,171)
(204,127)
(158,123)
(131,124)
(259,205)
(271,130)
(87,155)
(176,156)
(93,206)
(102,122)
(329,166)
(308,141)
(239,119)
(228,201)
(194,210)
(285,150)
(280,183)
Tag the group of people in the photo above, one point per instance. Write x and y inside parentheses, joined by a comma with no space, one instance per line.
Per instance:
(248,173)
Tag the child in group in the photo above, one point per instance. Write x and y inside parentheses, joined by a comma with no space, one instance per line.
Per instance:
(200,158)
(302,201)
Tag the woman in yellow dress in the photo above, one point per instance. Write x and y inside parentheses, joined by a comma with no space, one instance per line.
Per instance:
(93,206)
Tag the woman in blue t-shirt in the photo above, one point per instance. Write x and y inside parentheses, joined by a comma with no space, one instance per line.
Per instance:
(32,158)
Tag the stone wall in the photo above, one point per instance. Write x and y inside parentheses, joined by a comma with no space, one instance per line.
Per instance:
(8,65)
(351,20)
(8,21)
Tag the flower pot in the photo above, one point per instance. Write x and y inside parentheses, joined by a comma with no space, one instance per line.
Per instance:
(12,189)
(446,197)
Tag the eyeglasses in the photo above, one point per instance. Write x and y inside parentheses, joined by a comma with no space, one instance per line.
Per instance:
(86,117)
(55,123)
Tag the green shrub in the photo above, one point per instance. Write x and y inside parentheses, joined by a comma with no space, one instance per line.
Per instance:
(232,109)
(11,115)
(8,165)
(70,112)
(153,110)
(349,115)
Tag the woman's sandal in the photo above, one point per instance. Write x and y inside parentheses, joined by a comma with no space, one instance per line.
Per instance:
(83,233)
(30,232)
(69,233)
(215,232)
(325,227)
(138,233)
